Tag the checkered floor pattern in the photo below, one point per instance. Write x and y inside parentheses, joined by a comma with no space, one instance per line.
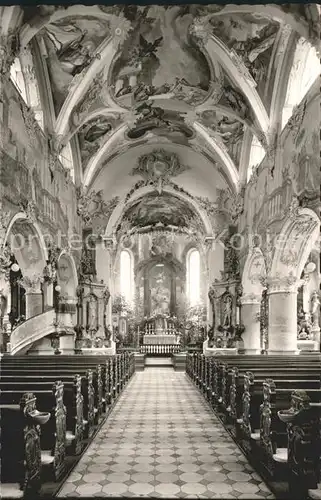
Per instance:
(163,441)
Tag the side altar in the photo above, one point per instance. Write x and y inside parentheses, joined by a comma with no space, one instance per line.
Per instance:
(225,333)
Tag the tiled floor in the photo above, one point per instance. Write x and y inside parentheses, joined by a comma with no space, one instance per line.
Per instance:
(163,441)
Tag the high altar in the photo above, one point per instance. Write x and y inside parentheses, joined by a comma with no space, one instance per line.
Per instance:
(160,330)
(159,306)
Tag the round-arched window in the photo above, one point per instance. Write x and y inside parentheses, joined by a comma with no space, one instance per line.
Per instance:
(193,278)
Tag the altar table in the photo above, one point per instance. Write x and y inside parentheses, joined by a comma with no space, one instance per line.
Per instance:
(159,339)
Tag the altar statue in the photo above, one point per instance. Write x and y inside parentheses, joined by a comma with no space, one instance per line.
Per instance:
(160,299)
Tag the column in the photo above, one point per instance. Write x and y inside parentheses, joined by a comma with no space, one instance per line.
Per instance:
(48,295)
(282,329)
(251,308)
(34,297)
(33,303)
(5,308)
(133,81)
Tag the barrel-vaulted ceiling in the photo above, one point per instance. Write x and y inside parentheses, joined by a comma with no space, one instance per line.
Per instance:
(205,78)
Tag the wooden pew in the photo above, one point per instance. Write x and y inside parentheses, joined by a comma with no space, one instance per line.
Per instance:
(20,445)
(21,379)
(79,397)
(53,438)
(252,398)
(303,421)
(67,374)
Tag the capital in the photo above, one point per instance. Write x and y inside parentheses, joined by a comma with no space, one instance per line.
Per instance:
(283,284)
(250,298)
(32,282)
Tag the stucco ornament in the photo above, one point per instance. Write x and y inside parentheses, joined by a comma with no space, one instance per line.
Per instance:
(285,284)
(120,28)
(5,216)
(30,209)
(31,282)
(9,46)
(295,121)
(92,206)
(158,167)
(201,29)
(292,211)
(5,261)
(30,122)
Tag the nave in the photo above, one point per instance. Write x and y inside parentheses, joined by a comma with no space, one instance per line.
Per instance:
(162,440)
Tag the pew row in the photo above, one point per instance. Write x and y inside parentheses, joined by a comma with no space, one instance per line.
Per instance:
(76,396)
(249,399)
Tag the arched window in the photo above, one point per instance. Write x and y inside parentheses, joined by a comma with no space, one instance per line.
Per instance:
(66,159)
(256,156)
(193,277)
(18,79)
(305,70)
(22,74)
(126,279)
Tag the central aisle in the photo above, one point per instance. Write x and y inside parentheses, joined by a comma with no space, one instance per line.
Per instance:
(162,440)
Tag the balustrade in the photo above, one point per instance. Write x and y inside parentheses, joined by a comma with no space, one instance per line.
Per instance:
(160,349)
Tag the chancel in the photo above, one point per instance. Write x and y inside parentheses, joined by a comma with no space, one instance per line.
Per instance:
(160,251)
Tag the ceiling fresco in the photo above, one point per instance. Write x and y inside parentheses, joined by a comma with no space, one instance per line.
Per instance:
(70,44)
(252,39)
(198,78)
(158,60)
(92,135)
(161,210)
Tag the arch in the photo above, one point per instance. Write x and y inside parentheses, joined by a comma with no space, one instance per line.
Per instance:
(296,240)
(37,241)
(253,273)
(118,212)
(113,113)
(92,166)
(224,156)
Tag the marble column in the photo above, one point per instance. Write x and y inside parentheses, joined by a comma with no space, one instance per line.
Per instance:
(5,308)
(33,303)
(251,305)
(34,296)
(282,330)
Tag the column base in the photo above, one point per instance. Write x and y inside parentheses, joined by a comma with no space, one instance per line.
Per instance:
(67,344)
(282,353)
(252,351)
(308,345)
(42,347)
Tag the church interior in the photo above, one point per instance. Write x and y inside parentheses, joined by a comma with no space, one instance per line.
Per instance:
(160,251)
